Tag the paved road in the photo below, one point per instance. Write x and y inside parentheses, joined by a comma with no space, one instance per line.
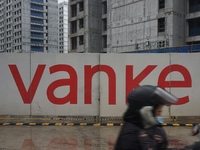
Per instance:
(76,137)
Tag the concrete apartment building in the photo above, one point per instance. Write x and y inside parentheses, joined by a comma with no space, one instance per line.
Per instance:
(143,24)
(29,25)
(85,26)
(193,22)
(130,25)
(63,27)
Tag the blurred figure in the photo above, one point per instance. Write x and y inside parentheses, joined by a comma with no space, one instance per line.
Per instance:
(142,128)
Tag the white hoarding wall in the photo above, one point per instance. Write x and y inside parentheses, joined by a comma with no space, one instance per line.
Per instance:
(61,90)
(187,89)
(11,100)
(94,84)
(131,70)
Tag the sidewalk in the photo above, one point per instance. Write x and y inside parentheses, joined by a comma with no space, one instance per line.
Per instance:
(180,136)
(77,137)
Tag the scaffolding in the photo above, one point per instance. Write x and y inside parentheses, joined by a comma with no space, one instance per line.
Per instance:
(179,49)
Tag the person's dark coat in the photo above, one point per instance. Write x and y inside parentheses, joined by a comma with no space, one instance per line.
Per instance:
(133,135)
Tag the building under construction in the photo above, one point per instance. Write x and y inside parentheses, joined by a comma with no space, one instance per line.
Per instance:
(28,26)
(113,26)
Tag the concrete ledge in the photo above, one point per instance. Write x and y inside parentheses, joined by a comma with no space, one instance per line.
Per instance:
(80,124)
(87,121)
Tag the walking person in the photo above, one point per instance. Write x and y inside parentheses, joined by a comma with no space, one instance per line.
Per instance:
(142,128)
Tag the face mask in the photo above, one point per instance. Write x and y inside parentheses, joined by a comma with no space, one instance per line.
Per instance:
(159,120)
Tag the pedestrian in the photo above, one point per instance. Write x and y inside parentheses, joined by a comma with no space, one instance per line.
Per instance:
(142,128)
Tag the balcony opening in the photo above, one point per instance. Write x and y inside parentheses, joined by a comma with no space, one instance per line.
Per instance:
(37,35)
(37,14)
(73,27)
(104,7)
(104,41)
(104,24)
(161,25)
(38,7)
(81,23)
(81,40)
(73,10)
(74,43)
(194,27)
(161,4)
(194,6)
(37,1)
(37,49)
(81,6)
(37,20)
(37,42)
(36,27)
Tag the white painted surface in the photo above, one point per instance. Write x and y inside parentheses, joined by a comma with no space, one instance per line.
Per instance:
(12,102)
(192,63)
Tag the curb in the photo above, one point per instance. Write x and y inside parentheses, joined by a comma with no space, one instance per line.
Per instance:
(82,124)
(59,124)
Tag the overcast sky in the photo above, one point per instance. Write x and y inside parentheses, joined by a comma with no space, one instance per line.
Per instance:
(62,1)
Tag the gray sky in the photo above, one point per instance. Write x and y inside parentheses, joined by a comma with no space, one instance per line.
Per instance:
(61,1)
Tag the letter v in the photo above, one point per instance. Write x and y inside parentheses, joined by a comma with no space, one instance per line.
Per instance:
(27,96)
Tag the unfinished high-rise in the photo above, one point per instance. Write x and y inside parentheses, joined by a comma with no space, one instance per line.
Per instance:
(29,26)
(130,25)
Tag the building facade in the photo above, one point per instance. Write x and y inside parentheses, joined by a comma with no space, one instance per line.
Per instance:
(85,26)
(193,22)
(132,25)
(63,27)
(141,24)
(29,26)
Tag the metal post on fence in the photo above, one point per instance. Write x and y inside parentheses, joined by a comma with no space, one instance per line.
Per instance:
(27,49)
(97,119)
(177,48)
(30,81)
(192,47)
